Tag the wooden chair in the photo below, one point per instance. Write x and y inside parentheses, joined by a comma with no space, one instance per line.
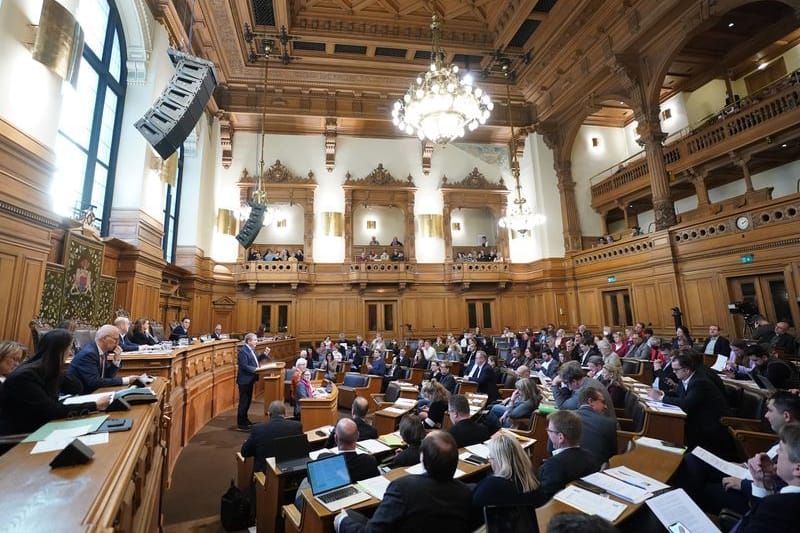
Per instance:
(416,376)
(633,428)
(292,519)
(524,424)
(387,398)
(538,432)
(748,443)
(244,472)
(465,387)
(363,385)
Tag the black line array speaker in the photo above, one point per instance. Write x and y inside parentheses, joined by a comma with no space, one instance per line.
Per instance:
(249,231)
(172,117)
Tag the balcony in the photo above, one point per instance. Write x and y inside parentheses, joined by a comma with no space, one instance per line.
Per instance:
(770,112)
(251,273)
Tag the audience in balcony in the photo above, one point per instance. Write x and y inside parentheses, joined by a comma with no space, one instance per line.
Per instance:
(277,255)
(374,241)
(396,241)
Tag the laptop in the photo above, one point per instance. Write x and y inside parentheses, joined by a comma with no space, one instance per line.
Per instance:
(291,453)
(330,483)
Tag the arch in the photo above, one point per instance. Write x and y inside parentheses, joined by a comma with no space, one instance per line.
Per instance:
(138,28)
(698,18)
(571,128)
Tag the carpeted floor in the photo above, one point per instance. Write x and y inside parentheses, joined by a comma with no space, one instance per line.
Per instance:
(203,473)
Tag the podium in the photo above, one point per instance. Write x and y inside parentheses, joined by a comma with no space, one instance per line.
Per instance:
(271,378)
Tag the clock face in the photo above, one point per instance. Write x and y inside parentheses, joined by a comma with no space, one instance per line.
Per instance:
(742,223)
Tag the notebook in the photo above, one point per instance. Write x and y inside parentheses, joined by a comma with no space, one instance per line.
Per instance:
(330,483)
(291,453)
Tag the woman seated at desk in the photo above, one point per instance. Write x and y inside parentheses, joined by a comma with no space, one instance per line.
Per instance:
(141,333)
(432,414)
(303,389)
(29,397)
(412,433)
(512,481)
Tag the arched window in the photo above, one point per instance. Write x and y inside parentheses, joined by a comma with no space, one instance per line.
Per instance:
(91,114)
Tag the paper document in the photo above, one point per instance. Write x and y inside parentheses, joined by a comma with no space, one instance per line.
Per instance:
(93,422)
(665,407)
(481,450)
(416,469)
(84,398)
(719,364)
(391,439)
(726,467)
(59,439)
(459,473)
(405,402)
(590,503)
(618,488)
(372,446)
(637,479)
(396,410)
(659,445)
(374,486)
(675,507)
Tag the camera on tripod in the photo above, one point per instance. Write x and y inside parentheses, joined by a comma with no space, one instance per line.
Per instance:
(747,309)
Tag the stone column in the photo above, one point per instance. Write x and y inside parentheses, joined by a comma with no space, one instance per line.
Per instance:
(604,221)
(410,239)
(447,230)
(348,226)
(308,229)
(651,138)
(569,209)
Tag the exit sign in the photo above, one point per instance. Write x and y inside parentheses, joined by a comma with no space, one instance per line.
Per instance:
(612,279)
(747,258)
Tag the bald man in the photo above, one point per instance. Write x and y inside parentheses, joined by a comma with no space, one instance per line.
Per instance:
(98,363)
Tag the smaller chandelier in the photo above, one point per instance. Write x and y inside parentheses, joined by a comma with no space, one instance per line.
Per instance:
(519,217)
(440,106)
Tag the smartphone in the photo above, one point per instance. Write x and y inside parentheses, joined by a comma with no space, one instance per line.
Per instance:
(588,486)
(677,527)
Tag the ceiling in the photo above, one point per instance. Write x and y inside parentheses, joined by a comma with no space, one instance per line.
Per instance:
(342,63)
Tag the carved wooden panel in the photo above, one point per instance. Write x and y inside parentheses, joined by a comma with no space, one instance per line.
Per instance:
(701,300)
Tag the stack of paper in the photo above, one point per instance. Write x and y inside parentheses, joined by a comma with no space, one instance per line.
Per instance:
(590,503)
(396,410)
(665,407)
(678,512)
(659,445)
(726,467)
(391,439)
(372,446)
(481,450)
(618,488)
(637,479)
(374,486)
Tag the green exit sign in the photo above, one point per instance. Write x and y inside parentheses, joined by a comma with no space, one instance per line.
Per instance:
(612,279)
(747,258)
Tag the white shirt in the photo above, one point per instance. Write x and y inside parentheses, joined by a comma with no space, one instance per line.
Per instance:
(476,371)
(429,353)
(712,341)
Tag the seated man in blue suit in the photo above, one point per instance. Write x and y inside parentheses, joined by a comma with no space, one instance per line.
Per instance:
(378,366)
(246,377)
(92,366)
(123,325)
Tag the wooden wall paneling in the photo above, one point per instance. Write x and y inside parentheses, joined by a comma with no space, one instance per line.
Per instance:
(20,288)
(645,303)
(701,301)
(667,292)
(589,306)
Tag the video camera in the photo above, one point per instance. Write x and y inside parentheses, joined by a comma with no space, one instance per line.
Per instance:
(747,309)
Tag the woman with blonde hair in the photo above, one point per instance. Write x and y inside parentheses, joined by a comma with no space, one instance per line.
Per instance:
(512,481)
(523,401)
(612,378)
(432,415)
(11,355)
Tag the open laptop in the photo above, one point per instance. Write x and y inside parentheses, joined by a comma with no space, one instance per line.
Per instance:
(291,453)
(330,483)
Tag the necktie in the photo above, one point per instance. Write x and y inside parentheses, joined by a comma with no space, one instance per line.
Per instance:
(102,365)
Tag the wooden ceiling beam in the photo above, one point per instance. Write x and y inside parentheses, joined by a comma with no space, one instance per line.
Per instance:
(281,10)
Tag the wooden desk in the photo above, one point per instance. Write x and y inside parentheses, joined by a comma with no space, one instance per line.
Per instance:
(316,518)
(271,377)
(118,490)
(316,412)
(269,495)
(657,464)
(387,421)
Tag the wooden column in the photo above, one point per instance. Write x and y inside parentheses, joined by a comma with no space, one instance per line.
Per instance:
(699,182)
(651,138)
(447,222)
(569,209)
(409,241)
(348,225)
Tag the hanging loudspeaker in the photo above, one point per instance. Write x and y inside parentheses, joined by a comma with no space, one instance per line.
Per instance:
(249,230)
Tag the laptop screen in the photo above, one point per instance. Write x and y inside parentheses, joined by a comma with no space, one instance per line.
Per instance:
(328,474)
(292,447)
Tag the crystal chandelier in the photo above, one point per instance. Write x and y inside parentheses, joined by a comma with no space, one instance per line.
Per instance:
(440,105)
(519,217)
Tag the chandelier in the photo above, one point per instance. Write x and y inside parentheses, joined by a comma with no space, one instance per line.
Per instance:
(440,106)
(519,216)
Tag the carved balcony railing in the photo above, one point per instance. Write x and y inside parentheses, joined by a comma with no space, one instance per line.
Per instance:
(252,273)
(479,272)
(767,115)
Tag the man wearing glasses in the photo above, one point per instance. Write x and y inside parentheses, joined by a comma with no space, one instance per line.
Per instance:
(97,364)
(569,461)
(703,404)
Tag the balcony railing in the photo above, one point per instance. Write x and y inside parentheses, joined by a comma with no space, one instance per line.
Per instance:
(771,111)
(254,272)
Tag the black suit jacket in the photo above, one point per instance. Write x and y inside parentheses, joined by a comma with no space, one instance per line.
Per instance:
(487,382)
(178,333)
(365,432)
(722,347)
(599,433)
(468,432)
(88,365)
(565,467)
(138,337)
(359,465)
(408,457)
(413,504)
(777,512)
(259,443)
(127,344)
(704,405)
(449,383)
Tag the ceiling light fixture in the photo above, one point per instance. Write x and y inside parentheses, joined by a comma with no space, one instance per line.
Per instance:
(440,105)
(519,217)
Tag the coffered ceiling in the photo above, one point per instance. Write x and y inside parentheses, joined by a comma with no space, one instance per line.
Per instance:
(344,62)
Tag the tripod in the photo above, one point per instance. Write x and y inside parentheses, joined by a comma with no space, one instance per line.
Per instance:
(747,329)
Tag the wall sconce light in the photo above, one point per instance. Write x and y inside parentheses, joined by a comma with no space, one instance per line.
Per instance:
(59,41)
(666,114)
(430,226)
(281,223)
(332,223)
(456,226)
(595,142)
(372,224)
(226,221)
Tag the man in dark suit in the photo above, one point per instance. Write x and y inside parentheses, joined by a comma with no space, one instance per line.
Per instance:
(378,366)
(247,362)
(217,335)
(358,412)
(91,365)
(465,430)
(181,331)
(259,443)
(446,378)
(775,512)
(569,461)
(599,433)
(782,341)
(703,404)
(483,374)
(716,344)
(432,501)
(123,325)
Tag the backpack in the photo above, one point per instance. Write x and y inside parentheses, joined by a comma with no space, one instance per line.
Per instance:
(234,509)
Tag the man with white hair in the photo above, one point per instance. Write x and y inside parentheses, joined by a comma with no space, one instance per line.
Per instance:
(123,324)
(92,365)
(247,363)
(299,367)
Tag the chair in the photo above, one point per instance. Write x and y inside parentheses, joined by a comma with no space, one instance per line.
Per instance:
(752,405)
(38,330)
(524,424)
(362,385)
(416,375)
(509,518)
(748,443)
(288,374)
(388,398)
(630,429)
(733,394)
(630,367)
(157,330)
(292,519)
